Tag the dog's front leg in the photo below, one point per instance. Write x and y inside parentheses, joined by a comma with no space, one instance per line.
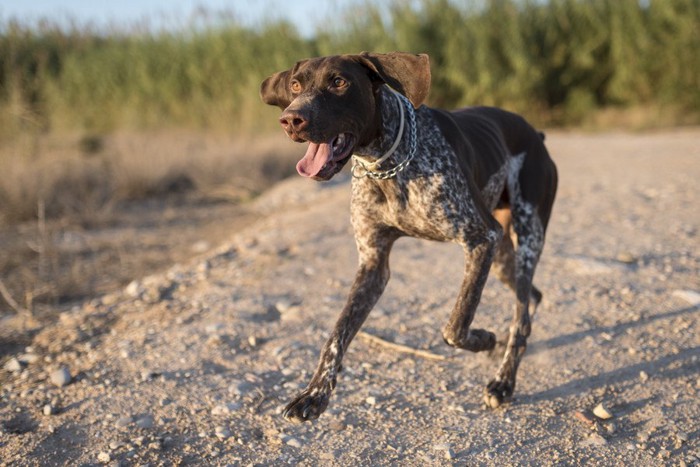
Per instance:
(479,251)
(370,280)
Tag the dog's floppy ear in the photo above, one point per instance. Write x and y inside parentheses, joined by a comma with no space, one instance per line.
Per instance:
(407,73)
(274,90)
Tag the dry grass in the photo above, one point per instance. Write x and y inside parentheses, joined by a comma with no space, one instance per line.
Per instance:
(83,177)
(82,215)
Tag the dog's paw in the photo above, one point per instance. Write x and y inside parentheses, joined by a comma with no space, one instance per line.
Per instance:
(308,405)
(497,393)
(476,340)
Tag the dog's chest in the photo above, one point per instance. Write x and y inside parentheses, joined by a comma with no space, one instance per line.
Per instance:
(430,199)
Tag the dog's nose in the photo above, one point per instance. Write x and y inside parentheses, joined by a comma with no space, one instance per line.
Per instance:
(293,121)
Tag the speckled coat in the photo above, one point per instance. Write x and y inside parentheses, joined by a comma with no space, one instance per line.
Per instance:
(480,177)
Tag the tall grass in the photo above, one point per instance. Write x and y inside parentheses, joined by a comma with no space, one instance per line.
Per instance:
(558,59)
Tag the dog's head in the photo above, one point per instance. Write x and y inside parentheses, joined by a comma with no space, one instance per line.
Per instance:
(332,102)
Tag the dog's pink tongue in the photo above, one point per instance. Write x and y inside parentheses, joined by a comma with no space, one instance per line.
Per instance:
(315,158)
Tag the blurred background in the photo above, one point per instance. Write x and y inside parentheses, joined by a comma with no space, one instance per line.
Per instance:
(132,135)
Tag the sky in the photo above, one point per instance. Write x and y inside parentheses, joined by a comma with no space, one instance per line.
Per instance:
(305,14)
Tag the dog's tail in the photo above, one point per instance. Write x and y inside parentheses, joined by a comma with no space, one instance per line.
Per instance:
(541,133)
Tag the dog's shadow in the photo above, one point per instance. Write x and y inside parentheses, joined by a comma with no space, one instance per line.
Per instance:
(667,366)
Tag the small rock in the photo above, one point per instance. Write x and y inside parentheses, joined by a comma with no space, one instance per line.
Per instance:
(293,442)
(214,328)
(371,400)
(643,376)
(283,306)
(336,425)
(222,432)
(60,377)
(446,448)
(252,340)
(602,412)
(114,445)
(104,457)
(225,409)
(596,440)
(28,358)
(611,428)
(626,257)
(155,446)
(124,421)
(147,375)
(134,289)
(50,409)
(690,296)
(13,365)
(200,246)
(145,422)
(682,436)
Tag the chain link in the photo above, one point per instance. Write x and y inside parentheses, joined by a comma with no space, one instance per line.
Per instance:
(360,169)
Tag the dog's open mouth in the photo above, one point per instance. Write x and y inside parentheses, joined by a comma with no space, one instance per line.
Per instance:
(323,160)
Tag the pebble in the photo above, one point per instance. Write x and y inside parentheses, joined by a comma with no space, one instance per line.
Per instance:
(124,421)
(293,442)
(371,400)
(225,409)
(134,289)
(447,450)
(145,422)
(643,376)
(626,257)
(13,365)
(596,440)
(28,358)
(60,377)
(690,296)
(104,457)
(222,432)
(336,425)
(602,412)
(147,375)
(50,409)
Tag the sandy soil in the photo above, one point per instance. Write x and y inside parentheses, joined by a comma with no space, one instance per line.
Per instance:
(192,366)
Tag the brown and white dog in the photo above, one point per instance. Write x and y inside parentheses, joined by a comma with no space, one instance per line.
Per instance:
(479,176)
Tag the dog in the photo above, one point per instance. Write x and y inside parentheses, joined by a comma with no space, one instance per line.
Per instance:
(478,176)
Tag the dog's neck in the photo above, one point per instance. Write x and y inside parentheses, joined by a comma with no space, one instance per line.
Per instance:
(389,128)
(378,161)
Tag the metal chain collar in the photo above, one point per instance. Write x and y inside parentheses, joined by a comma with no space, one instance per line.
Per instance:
(361,169)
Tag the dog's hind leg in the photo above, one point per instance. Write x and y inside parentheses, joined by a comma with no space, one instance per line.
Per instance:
(530,239)
(503,268)
(504,261)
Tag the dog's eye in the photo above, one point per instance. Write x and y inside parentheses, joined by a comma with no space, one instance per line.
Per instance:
(295,86)
(339,82)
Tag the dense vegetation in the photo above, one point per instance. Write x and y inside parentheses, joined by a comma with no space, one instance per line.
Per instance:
(557,60)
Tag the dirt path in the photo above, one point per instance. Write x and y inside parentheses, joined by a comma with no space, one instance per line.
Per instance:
(194,365)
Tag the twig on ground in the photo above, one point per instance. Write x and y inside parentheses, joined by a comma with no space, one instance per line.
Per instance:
(11,301)
(400,348)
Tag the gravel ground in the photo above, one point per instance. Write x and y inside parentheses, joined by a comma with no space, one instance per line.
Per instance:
(192,366)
